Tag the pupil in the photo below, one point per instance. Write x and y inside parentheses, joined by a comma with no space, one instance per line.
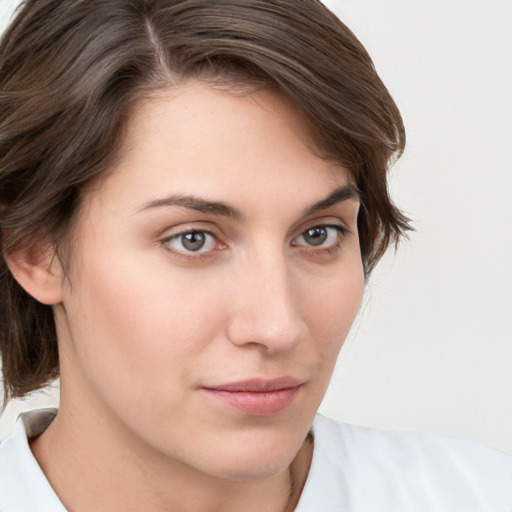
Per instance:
(315,236)
(193,241)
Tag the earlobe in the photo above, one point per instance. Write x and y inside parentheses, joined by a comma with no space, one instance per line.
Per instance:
(38,271)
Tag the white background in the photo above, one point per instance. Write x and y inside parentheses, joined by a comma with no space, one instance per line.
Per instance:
(432,349)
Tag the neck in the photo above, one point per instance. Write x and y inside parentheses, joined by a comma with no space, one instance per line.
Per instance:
(79,453)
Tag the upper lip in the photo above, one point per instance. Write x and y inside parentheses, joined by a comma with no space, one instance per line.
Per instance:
(258,385)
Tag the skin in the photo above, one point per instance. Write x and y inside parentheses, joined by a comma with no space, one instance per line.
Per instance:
(144,325)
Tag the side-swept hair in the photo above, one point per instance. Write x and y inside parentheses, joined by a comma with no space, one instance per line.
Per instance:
(70,70)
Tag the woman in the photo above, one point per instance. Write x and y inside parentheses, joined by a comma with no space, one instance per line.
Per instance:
(193,193)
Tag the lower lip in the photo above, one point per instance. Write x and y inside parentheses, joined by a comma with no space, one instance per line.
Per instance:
(266,403)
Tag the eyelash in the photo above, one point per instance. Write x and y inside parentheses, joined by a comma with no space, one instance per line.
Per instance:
(332,250)
(191,255)
(341,233)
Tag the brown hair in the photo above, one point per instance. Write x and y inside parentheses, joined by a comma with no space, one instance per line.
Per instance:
(71,69)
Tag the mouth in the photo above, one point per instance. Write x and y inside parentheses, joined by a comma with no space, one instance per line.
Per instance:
(257,397)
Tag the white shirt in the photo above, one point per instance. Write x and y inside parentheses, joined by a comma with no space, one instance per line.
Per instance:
(354,469)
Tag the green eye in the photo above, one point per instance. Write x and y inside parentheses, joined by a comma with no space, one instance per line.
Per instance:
(316,236)
(321,236)
(192,241)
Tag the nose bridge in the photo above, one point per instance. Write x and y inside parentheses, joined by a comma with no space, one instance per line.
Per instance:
(267,310)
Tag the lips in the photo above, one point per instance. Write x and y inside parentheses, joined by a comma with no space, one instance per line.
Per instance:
(257,397)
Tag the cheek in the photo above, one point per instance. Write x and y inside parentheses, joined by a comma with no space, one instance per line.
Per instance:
(135,327)
(330,309)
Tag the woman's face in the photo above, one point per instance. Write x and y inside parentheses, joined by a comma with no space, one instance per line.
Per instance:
(216,275)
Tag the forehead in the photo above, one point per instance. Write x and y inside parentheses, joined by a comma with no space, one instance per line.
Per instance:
(197,112)
(195,138)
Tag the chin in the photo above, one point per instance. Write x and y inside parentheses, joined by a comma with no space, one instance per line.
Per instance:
(253,469)
(255,461)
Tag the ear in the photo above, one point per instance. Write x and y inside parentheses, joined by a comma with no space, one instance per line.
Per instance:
(38,271)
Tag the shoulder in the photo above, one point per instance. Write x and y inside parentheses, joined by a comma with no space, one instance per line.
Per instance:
(362,468)
(23,485)
(403,448)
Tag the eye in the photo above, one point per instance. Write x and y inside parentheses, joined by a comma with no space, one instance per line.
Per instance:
(191,242)
(323,237)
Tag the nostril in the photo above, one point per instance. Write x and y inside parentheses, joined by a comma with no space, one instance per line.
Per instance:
(266,326)
(266,309)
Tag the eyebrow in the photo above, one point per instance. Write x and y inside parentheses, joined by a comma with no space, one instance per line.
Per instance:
(338,195)
(197,204)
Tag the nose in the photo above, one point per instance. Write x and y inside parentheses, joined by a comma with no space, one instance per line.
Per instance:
(266,307)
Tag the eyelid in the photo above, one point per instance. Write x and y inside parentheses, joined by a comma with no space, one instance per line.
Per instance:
(323,222)
(341,230)
(187,226)
(209,239)
(217,235)
(165,240)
